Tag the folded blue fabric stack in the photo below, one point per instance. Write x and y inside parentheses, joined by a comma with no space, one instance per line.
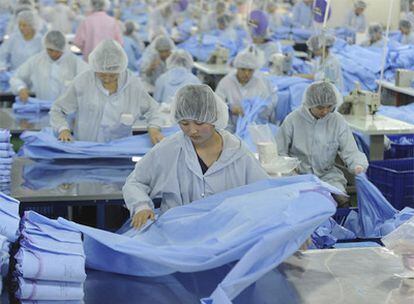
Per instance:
(45,145)
(6,159)
(32,105)
(9,225)
(50,263)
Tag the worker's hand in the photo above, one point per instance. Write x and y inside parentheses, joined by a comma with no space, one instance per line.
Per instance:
(359,169)
(24,94)
(141,217)
(155,135)
(237,110)
(65,136)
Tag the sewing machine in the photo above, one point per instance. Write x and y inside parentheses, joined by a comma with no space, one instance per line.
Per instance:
(361,103)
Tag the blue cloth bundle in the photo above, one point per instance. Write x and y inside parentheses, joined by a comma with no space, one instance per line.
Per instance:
(290,92)
(32,105)
(9,217)
(45,145)
(50,263)
(259,225)
(49,175)
(327,234)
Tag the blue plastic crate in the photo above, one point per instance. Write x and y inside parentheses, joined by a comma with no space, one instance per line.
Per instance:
(400,150)
(395,179)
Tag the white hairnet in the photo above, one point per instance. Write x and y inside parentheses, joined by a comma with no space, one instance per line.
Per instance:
(321,93)
(163,43)
(100,5)
(180,58)
(28,17)
(55,40)
(108,57)
(360,4)
(200,103)
(405,24)
(316,42)
(247,59)
(374,29)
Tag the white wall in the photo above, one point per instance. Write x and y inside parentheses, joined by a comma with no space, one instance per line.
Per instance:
(376,11)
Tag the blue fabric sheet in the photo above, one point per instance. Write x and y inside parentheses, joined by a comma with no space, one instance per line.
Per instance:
(403,113)
(45,145)
(49,175)
(252,224)
(290,92)
(32,105)
(327,234)
(4,136)
(9,217)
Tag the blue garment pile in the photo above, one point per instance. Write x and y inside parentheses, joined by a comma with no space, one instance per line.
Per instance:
(45,145)
(203,45)
(259,225)
(4,80)
(290,33)
(50,175)
(327,234)
(9,226)
(6,159)
(50,263)
(289,92)
(403,113)
(376,217)
(33,105)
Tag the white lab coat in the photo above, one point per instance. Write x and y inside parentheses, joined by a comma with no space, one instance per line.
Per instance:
(15,50)
(46,78)
(316,142)
(330,69)
(171,81)
(357,23)
(233,93)
(102,117)
(172,171)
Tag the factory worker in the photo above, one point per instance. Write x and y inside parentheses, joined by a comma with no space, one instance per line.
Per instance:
(355,19)
(61,17)
(107,99)
(303,14)
(258,25)
(153,62)
(201,160)
(407,36)
(375,38)
(22,44)
(133,46)
(161,19)
(208,21)
(48,73)
(315,133)
(178,74)
(275,19)
(224,29)
(97,27)
(326,66)
(410,14)
(244,83)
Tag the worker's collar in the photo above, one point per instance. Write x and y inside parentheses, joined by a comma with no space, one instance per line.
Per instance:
(122,82)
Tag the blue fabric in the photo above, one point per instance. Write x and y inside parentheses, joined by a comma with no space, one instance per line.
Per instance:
(403,113)
(49,290)
(4,136)
(290,92)
(327,234)
(296,34)
(4,80)
(133,53)
(33,105)
(243,224)
(9,217)
(45,145)
(49,175)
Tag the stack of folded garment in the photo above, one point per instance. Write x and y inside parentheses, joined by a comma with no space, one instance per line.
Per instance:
(50,263)
(6,158)
(32,105)
(9,224)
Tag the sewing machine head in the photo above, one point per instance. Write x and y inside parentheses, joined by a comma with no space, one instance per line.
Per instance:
(363,103)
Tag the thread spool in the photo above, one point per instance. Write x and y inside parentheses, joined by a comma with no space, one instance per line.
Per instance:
(267,152)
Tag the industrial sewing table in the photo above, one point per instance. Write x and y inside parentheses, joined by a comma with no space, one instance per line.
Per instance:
(377,127)
(100,193)
(348,276)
